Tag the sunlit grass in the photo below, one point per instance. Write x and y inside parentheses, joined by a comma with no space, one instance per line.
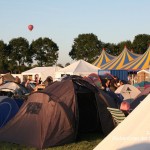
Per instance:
(85,142)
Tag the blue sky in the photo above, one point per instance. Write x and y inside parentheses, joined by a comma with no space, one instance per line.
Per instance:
(63,20)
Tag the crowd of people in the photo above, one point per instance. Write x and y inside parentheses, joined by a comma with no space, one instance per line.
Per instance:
(33,85)
(110,86)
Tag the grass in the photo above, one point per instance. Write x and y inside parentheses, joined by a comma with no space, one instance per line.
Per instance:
(84,142)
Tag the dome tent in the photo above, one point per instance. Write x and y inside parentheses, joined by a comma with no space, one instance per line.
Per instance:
(72,106)
(11,88)
(8,109)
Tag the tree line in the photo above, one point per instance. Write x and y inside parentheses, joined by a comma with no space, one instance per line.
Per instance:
(18,55)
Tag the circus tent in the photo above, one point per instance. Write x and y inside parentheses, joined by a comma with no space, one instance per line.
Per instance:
(103,59)
(125,57)
(142,62)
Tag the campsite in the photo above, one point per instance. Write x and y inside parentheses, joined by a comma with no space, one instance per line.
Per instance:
(74,75)
(76,103)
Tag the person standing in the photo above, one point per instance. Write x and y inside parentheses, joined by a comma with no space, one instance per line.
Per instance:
(113,84)
(40,80)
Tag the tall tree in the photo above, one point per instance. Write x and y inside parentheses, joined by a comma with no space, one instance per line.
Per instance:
(141,42)
(19,50)
(111,48)
(86,47)
(46,51)
(122,44)
(3,56)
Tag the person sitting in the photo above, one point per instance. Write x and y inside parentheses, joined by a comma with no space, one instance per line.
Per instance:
(17,80)
(125,107)
(49,80)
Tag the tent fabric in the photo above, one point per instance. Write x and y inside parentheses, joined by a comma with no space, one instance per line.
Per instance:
(42,72)
(3,97)
(146,91)
(8,77)
(140,98)
(40,123)
(58,113)
(80,67)
(129,92)
(8,109)
(132,133)
(84,91)
(142,62)
(14,88)
(94,79)
(103,59)
(143,75)
(125,57)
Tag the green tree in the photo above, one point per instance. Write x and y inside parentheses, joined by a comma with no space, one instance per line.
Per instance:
(122,44)
(141,42)
(19,50)
(111,48)
(3,56)
(13,66)
(45,51)
(86,47)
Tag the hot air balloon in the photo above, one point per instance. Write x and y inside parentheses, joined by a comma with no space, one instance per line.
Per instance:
(30,27)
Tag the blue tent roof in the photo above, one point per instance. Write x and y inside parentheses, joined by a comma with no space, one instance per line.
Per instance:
(8,109)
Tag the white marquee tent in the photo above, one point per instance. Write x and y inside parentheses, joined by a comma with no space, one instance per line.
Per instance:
(131,134)
(42,72)
(81,68)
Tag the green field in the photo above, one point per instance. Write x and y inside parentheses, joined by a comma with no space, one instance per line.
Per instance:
(84,142)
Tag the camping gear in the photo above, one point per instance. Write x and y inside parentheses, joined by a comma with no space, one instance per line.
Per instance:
(58,114)
(117,115)
(129,92)
(8,109)
(11,88)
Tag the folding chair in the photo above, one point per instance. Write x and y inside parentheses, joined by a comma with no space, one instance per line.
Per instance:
(117,115)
